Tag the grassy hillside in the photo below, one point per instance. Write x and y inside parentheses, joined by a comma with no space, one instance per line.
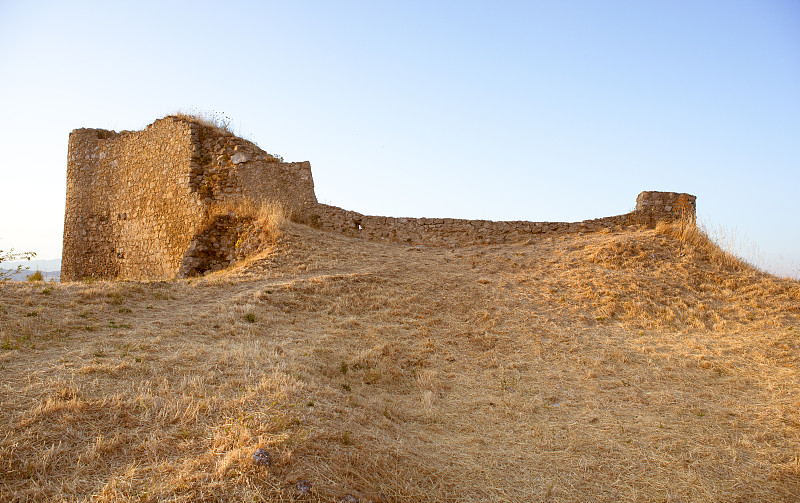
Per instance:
(601,367)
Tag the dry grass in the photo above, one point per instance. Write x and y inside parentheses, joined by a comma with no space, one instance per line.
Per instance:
(269,216)
(215,120)
(596,368)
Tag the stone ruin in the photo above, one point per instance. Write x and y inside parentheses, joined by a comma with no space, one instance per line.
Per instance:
(140,205)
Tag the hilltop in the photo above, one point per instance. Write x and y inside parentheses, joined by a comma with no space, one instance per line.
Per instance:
(575,367)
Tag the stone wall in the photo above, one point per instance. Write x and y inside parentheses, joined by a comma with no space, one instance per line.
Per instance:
(450,231)
(136,199)
(227,167)
(223,241)
(651,207)
(130,210)
(145,205)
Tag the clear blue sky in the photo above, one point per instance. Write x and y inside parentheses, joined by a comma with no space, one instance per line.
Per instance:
(499,110)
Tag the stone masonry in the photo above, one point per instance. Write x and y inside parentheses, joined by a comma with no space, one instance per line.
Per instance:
(139,204)
(136,200)
(651,207)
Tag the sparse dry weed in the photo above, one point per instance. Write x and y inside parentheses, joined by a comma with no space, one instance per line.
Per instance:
(214,120)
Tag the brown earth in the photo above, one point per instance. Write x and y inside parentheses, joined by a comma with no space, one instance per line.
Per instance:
(601,367)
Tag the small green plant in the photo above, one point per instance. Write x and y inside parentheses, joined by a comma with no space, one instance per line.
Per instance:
(6,344)
(250,318)
(114,324)
(124,310)
(346,387)
(47,291)
(31,314)
(37,276)
(343,368)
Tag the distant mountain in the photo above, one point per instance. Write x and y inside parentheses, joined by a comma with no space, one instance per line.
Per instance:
(23,275)
(50,269)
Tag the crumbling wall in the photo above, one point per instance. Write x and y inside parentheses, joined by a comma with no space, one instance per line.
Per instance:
(650,208)
(215,247)
(449,231)
(229,167)
(137,199)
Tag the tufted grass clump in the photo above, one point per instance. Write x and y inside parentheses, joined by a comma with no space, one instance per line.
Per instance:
(269,216)
(36,276)
(689,235)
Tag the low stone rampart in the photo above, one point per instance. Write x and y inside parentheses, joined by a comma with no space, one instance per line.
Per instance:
(450,231)
(651,207)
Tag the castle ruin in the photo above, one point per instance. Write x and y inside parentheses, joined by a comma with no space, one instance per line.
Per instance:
(138,204)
